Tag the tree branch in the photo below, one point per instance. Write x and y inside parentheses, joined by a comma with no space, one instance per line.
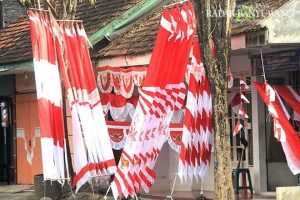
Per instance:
(52,8)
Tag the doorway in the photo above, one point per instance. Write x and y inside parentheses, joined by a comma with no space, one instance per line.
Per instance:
(6,141)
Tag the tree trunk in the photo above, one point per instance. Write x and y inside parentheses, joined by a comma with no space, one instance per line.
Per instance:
(217,30)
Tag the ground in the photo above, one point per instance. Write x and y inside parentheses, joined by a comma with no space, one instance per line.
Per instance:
(25,192)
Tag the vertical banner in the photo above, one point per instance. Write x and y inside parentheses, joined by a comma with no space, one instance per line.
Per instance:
(197,135)
(93,156)
(162,93)
(62,48)
(49,96)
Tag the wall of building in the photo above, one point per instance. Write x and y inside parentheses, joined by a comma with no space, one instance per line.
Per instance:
(240,65)
(27,129)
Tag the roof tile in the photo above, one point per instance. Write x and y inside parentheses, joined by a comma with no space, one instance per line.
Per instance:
(15,44)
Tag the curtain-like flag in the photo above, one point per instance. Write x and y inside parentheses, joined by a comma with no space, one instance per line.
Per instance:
(290,96)
(197,137)
(49,96)
(93,155)
(161,93)
(283,130)
(63,48)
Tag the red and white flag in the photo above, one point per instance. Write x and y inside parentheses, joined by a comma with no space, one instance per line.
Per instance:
(244,99)
(237,128)
(161,93)
(230,80)
(242,113)
(291,97)
(49,97)
(283,130)
(197,136)
(244,84)
(94,155)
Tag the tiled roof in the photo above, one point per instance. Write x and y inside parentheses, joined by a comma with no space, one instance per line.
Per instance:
(15,45)
(104,11)
(141,37)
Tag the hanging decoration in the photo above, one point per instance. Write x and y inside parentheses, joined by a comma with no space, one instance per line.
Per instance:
(236,101)
(230,80)
(61,44)
(48,88)
(197,137)
(118,132)
(93,155)
(121,109)
(162,92)
(283,130)
(120,80)
(291,97)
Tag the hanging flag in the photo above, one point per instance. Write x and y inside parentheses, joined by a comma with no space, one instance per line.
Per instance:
(242,113)
(92,148)
(197,138)
(162,92)
(244,84)
(237,128)
(230,80)
(290,96)
(49,96)
(283,130)
(244,99)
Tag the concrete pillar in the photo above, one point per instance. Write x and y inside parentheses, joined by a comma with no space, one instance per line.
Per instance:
(259,141)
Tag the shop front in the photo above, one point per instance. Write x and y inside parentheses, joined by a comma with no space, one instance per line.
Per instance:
(281,68)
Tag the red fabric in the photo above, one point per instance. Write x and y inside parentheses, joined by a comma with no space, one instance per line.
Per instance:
(290,96)
(117,100)
(291,136)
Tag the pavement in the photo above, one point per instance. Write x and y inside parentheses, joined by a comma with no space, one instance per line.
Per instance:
(25,192)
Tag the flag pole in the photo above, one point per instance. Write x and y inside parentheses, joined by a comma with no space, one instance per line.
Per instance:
(262,65)
(39,4)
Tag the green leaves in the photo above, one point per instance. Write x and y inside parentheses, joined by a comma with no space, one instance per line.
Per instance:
(26,3)
(246,13)
(92,2)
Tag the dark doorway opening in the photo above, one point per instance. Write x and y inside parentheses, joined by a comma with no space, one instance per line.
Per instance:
(6,141)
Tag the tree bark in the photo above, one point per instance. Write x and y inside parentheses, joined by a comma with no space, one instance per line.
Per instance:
(217,30)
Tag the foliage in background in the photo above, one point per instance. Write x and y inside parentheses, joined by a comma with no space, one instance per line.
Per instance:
(63,9)
(245,13)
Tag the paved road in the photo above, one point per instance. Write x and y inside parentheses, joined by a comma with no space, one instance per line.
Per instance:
(17,196)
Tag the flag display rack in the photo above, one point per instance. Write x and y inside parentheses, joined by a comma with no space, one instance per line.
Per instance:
(109,188)
(174,184)
(176,3)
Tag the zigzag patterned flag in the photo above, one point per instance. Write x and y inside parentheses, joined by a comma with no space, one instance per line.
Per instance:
(197,136)
(162,92)
(49,97)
